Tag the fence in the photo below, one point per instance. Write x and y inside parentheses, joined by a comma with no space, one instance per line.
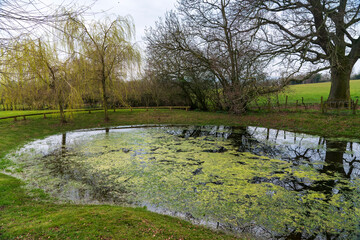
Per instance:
(23,116)
(299,104)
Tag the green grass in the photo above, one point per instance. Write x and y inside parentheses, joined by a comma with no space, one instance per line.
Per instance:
(32,215)
(20,112)
(24,218)
(312,92)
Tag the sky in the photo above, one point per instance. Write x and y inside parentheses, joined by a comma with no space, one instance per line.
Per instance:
(144,12)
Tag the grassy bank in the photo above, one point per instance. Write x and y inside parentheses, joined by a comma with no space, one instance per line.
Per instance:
(24,218)
(31,215)
(312,92)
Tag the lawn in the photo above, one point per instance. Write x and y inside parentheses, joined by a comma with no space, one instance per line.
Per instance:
(32,215)
(19,112)
(313,92)
(22,217)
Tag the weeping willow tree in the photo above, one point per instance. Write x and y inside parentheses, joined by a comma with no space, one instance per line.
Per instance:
(36,71)
(107,46)
(20,18)
(17,83)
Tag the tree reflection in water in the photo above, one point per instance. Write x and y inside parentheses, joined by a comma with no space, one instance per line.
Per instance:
(338,160)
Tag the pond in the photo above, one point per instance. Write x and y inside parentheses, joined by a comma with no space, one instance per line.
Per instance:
(272,183)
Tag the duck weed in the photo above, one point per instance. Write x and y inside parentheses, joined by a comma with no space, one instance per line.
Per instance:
(272,183)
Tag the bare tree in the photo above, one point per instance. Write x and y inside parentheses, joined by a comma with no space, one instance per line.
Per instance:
(320,32)
(209,35)
(179,68)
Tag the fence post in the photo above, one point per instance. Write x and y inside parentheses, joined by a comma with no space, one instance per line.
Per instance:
(44,115)
(355,106)
(325,107)
(297,103)
(349,104)
(269,104)
(257,105)
(24,117)
(277,102)
(322,105)
(286,101)
(302,102)
(15,119)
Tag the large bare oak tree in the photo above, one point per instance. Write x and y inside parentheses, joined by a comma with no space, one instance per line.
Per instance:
(321,32)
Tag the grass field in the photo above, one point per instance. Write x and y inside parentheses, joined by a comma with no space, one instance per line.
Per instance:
(312,92)
(19,112)
(32,215)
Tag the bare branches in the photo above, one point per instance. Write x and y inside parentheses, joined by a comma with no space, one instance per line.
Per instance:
(209,40)
(319,32)
(20,17)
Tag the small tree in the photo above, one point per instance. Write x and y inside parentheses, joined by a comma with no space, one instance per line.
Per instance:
(107,46)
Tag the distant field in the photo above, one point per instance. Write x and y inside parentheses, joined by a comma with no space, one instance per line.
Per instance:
(312,92)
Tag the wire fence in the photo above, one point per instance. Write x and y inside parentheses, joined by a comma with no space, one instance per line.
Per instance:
(273,104)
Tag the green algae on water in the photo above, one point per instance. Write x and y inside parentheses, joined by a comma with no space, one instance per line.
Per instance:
(239,178)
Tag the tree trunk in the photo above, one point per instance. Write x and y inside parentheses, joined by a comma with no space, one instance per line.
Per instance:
(61,105)
(62,113)
(63,145)
(105,102)
(340,84)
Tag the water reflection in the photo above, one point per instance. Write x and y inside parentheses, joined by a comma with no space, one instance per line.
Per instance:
(273,183)
(326,155)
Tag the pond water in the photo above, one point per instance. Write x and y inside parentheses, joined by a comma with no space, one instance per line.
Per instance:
(272,183)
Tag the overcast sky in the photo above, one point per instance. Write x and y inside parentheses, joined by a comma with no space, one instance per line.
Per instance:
(144,12)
